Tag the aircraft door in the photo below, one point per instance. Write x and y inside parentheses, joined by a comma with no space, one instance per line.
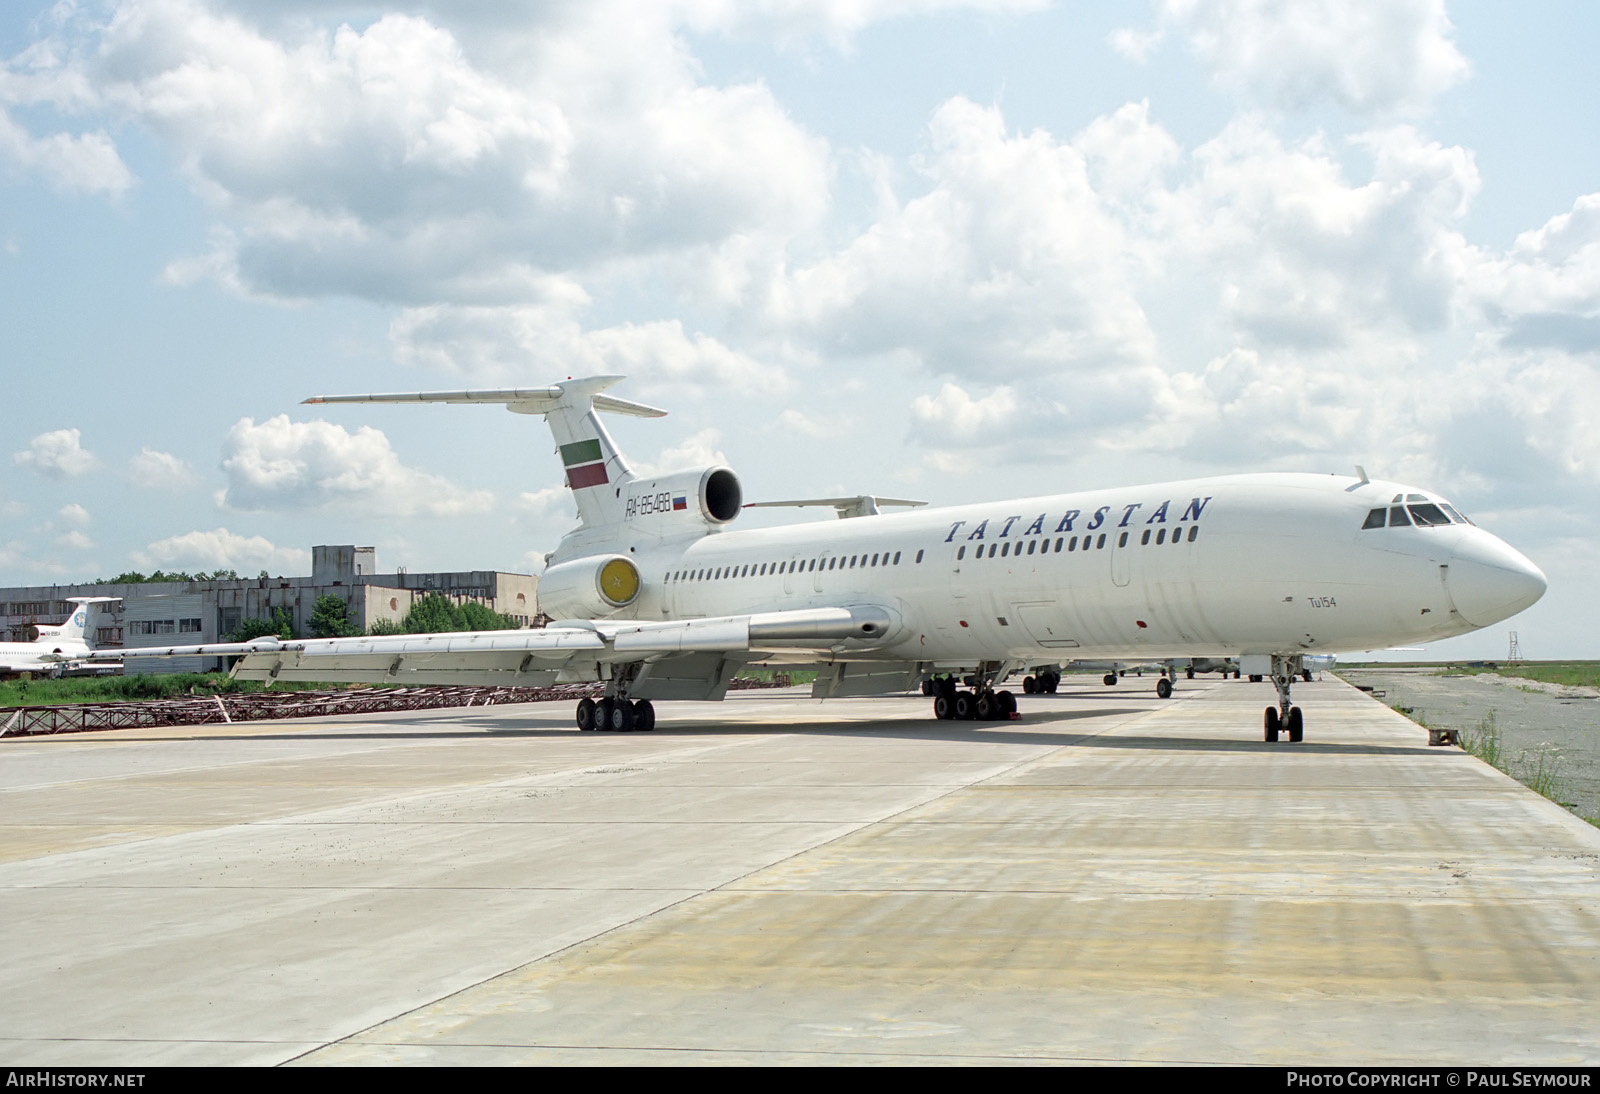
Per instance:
(822,564)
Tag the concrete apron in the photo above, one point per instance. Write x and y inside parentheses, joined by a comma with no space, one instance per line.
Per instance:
(1112,878)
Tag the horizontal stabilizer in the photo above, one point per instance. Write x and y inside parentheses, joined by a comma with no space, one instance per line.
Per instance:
(523,400)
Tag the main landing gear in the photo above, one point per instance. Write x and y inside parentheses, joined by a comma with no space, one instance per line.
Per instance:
(982,703)
(1163,685)
(1283,718)
(1044,684)
(616,715)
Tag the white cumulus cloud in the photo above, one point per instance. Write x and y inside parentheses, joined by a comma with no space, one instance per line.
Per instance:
(279,464)
(698,450)
(1009,263)
(220,549)
(161,470)
(523,344)
(57,454)
(85,162)
(390,162)
(1368,56)
(1546,287)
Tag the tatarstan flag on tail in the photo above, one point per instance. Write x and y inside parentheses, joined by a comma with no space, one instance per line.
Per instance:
(585,464)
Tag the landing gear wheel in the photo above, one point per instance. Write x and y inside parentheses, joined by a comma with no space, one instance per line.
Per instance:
(1255,678)
(622,716)
(1272,724)
(966,706)
(1008,703)
(586,715)
(1028,686)
(1297,725)
(1163,688)
(927,687)
(1109,679)
(944,707)
(1305,674)
(1052,682)
(1189,674)
(602,714)
(986,707)
(644,716)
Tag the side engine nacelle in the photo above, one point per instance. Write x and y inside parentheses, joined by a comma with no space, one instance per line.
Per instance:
(589,588)
(705,496)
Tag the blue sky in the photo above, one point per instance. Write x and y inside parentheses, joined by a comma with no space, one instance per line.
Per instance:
(953,251)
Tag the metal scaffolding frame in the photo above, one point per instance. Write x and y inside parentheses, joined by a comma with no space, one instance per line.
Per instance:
(268,706)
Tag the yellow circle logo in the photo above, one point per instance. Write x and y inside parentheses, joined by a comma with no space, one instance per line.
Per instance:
(619,581)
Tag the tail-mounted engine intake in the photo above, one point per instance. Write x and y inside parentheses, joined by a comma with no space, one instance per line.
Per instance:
(588,588)
(711,495)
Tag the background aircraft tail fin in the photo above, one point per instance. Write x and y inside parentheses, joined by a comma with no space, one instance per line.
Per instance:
(76,627)
(595,470)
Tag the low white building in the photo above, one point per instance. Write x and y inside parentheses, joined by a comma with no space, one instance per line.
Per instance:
(167,613)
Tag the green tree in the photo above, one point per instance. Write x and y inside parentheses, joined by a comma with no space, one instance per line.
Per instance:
(330,618)
(480,617)
(433,614)
(134,577)
(385,626)
(280,625)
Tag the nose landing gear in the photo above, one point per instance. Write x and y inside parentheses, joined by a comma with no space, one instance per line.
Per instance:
(1284,718)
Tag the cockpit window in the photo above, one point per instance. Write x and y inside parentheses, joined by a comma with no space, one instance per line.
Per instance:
(1427,514)
(1407,510)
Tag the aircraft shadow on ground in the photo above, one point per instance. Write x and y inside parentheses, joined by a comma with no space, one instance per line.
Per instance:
(1031,729)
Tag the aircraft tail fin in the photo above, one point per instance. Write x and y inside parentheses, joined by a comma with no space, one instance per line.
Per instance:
(76,628)
(595,471)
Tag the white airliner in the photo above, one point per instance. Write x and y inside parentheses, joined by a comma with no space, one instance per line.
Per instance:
(659,597)
(57,646)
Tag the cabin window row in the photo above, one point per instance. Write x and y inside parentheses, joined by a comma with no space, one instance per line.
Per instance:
(1088,543)
(804,566)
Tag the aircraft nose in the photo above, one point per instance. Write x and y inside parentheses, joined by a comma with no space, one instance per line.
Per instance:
(1489,580)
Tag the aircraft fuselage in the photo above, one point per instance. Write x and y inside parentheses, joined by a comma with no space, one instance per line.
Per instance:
(1268,563)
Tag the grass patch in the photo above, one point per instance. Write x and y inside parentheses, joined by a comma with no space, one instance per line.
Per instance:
(1484,742)
(1539,770)
(1565,673)
(112,689)
(766,675)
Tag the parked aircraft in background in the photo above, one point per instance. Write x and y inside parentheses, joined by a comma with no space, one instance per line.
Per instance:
(657,595)
(1228,666)
(57,646)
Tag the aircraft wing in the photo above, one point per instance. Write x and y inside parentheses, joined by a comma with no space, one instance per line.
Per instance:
(564,652)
